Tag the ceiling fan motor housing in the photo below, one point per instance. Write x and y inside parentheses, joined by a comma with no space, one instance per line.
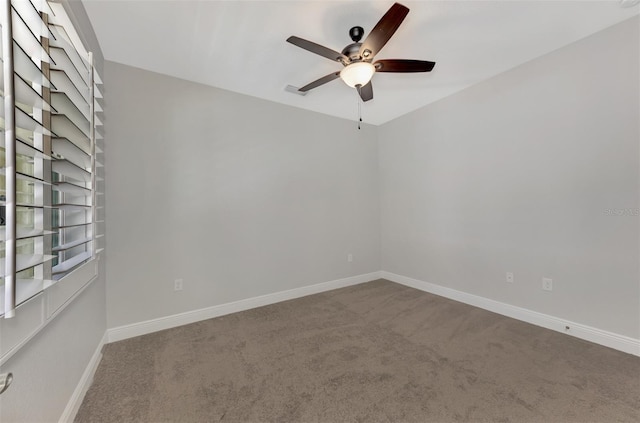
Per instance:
(352,51)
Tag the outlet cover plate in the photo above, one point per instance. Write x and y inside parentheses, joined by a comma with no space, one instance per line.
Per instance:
(178,285)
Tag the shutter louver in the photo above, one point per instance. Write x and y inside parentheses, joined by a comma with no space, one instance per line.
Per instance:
(72,147)
(24,156)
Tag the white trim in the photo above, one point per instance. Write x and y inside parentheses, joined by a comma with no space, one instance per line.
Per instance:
(70,411)
(588,333)
(142,328)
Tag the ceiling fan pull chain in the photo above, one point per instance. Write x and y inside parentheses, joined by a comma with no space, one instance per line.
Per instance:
(359,100)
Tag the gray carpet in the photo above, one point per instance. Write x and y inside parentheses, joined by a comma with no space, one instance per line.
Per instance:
(376,352)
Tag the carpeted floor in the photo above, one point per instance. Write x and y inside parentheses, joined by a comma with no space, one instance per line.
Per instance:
(376,352)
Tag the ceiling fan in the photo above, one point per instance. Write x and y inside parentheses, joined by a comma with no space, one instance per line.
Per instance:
(357,57)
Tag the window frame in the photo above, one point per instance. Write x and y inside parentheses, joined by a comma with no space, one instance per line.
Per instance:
(21,318)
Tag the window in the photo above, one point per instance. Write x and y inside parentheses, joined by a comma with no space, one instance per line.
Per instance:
(51,218)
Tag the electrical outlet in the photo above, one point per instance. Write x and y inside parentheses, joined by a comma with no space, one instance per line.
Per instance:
(547,284)
(510,277)
(349,257)
(177,285)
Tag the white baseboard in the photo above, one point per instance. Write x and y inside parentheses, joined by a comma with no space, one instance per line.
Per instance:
(598,336)
(588,333)
(167,322)
(70,411)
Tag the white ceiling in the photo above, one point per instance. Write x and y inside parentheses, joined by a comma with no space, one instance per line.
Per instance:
(240,45)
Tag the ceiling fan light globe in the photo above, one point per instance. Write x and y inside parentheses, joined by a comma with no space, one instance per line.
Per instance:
(359,73)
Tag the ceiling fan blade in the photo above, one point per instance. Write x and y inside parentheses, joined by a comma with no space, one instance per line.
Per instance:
(366,91)
(383,31)
(401,65)
(321,81)
(318,49)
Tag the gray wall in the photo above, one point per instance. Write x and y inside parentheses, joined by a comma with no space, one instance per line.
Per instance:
(48,368)
(517,174)
(237,196)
